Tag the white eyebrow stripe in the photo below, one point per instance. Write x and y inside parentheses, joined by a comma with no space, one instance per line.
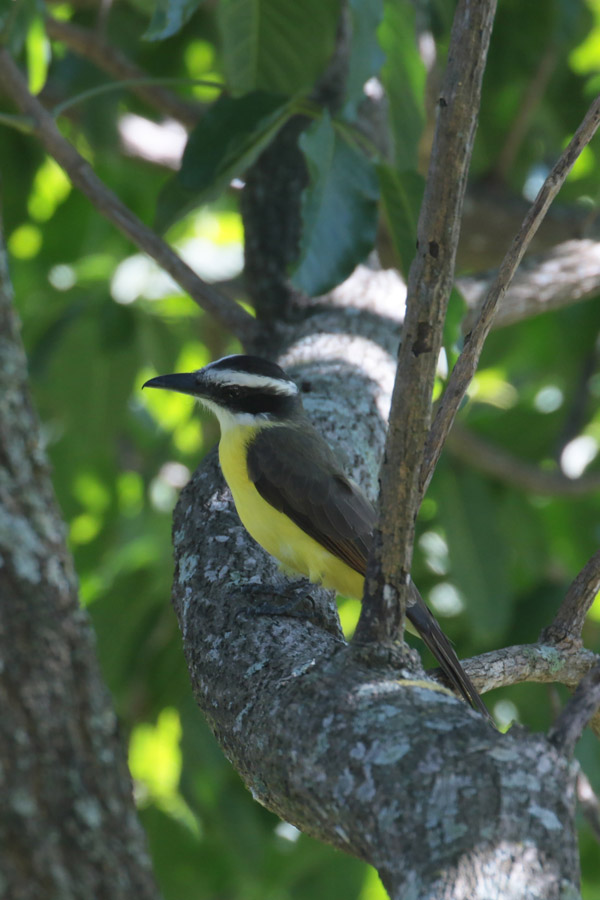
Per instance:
(247,379)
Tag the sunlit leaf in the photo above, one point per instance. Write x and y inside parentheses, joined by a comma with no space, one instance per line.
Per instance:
(50,188)
(38,55)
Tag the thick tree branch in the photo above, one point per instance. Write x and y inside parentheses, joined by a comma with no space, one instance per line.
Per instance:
(499,463)
(344,748)
(228,313)
(492,217)
(466,364)
(568,623)
(569,273)
(113,61)
(578,712)
(430,283)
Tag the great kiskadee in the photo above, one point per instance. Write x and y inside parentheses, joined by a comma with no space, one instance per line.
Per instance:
(290,491)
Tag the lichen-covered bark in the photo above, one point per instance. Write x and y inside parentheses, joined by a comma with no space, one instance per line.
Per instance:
(330,737)
(68,827)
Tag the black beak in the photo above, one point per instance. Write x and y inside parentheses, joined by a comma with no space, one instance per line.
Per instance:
(184,383)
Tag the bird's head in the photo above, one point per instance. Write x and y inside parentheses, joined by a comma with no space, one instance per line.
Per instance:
(240,390)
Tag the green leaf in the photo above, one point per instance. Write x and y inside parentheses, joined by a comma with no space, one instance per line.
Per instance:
(281,46)
(403,76)
(169,17)
(366,55)
(339,210)
(223,145)
(38,55)
(478,552)
(401,194)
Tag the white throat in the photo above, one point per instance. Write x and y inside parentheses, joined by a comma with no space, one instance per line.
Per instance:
(228,419)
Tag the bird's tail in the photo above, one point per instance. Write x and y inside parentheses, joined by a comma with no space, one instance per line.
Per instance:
(432,635)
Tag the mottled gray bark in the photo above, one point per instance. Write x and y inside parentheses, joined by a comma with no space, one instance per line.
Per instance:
(68,827)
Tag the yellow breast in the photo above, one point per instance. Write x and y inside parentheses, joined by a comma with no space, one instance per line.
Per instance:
(273,530)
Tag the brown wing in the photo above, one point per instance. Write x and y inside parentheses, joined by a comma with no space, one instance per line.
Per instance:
(295,471)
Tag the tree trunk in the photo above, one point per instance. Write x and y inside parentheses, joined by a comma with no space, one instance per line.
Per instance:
(68,827)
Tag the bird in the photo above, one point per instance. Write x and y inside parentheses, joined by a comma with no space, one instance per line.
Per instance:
(291,492)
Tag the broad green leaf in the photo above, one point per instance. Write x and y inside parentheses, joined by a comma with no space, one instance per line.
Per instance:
(401,194)
(223,145)
(478,552)
(230,137)
(366,55)
(404,78)
(169,17)
(281,46)
(339,210)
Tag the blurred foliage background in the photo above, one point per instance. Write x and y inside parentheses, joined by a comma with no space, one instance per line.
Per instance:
(99,319)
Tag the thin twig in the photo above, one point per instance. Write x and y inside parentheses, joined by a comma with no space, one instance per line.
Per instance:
(430,283)
(501,464)
(103,54)
(578,712)
(568,622)
(466,364)
(230,315)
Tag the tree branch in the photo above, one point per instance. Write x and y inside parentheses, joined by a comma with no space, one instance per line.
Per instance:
(430,282)
(568,622)
(466,364)
(92,46)
(567,274)
(499,463)
(578,712)
(345,749)
(540,663)
(228,313)
(492,217)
